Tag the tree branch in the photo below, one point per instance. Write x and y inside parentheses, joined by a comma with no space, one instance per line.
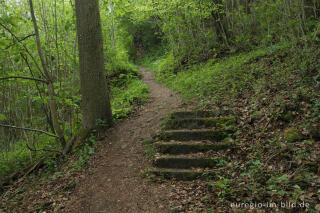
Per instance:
(24,47)
(20,40)
(43,149)
(23,77)
(28,36)
(29,129)
(40,94)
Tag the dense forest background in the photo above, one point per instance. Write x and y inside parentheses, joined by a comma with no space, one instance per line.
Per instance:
(25,100)
(260,57)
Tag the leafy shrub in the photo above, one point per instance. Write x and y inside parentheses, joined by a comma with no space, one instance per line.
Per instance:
(125,98)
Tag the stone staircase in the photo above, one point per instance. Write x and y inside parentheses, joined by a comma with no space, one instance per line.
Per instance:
(186,142)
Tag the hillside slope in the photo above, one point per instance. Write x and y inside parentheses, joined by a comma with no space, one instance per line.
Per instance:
(275,93)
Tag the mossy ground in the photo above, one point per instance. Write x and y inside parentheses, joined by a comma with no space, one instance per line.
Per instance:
(292,135)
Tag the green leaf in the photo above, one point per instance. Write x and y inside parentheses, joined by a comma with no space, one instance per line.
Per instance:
(283,178)
(3,117)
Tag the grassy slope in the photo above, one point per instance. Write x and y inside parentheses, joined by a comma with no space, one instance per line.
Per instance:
(273,90)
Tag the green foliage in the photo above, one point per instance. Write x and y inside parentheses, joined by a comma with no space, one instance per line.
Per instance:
(17,156)
(149,149)
(222,186)
(124,99)
(194,31)
(244,73)
(152,59)
(84,154)
(212,79)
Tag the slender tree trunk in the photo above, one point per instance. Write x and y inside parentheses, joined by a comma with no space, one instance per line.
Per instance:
(95,95)
(52,104)
(218,25)
(112,27)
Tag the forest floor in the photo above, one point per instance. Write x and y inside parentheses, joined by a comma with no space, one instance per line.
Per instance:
(115,184)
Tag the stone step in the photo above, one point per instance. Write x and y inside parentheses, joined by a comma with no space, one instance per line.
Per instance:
(185,147)
(201,134)
(182,174)
(197,114)
(186,161)
(198,123)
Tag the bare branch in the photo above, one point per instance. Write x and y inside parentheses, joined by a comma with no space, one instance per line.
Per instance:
(43,149)
(23,77)
(20,40)
(29,129)
(28,36)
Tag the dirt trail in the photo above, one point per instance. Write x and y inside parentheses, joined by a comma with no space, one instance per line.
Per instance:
(116,184)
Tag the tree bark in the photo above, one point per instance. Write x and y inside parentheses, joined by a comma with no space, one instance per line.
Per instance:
(95,96)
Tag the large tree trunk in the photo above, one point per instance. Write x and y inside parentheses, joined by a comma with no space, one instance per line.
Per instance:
(95,95)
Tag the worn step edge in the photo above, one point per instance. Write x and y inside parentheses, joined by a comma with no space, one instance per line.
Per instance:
(178,147)
(198,134)
(183,161)
(198,114)
(197,123)
(182,174)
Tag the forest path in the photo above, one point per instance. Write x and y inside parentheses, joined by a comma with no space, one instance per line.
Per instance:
(116,184)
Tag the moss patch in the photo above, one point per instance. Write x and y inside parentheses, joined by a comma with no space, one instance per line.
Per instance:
(292,135)
(288,116)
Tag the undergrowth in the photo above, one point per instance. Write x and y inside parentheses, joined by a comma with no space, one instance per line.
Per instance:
(125,98)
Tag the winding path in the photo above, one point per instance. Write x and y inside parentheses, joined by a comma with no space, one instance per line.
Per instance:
(116,184)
